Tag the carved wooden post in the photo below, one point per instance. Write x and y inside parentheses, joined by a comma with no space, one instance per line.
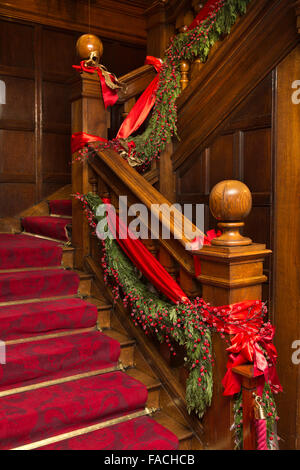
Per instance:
(184,69)
(88,115)
(231,271)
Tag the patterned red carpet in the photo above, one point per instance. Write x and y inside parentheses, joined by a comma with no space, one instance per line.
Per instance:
(31,407)
(54,226)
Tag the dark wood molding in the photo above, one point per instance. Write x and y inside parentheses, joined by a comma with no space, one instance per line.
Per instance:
(136,82)
(297,8)
(109,18)
(247,55)
(286,248)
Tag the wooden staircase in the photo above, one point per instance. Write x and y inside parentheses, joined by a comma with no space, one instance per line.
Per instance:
(132,358)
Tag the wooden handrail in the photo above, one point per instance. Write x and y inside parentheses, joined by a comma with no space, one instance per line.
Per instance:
(136,82)
(229,272)
(149,196)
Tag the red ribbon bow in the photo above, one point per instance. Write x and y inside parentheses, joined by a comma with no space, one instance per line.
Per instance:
(257,349)
(110,97)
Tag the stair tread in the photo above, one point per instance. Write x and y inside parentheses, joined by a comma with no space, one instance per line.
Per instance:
(124,340)
(123,436)
(150,382)
(44,317)
(82,274)
(181,431)
(60,206)
(38,283)
(70,405)
(20,251)
(47,226)
(50,358)
(100,304)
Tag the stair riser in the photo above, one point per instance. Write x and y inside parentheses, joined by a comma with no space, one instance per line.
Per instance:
(85,287)
(185,444)
(104,318)
(68,259)
(127,356)
(154,398)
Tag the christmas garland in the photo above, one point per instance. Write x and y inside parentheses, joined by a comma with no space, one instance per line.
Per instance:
(183,323)
(187,46)
(170,323)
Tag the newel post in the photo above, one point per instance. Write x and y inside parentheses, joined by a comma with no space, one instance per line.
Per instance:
(231,271)
(88,115)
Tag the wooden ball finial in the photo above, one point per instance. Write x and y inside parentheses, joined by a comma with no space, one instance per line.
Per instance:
(89,44)
(230,202)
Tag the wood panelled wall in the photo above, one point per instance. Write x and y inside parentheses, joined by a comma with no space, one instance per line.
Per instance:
(35,123)
(242,150)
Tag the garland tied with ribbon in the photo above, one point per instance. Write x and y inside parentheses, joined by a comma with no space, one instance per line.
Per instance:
(188,323)
(214,20)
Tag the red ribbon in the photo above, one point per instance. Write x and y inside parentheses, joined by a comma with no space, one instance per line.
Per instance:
(208,8)
(142,258)
(135,118)
(110,97)
(251,341)
(144,104)
(80,139)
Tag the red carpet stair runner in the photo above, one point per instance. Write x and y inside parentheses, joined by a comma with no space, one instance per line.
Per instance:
(55,226)
(62,386)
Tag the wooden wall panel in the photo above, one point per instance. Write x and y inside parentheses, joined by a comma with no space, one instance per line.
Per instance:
(56,154)
(14,160)
(257,168)
(35,123)
(18,110)
(221,160)
(56,108)
(16,45)
(119,20)
(15,197)
(241,150)
(287,259)
(58,53)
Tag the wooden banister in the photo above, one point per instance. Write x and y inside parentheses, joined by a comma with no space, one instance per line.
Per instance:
(229,273)
(136,82)
(124,180)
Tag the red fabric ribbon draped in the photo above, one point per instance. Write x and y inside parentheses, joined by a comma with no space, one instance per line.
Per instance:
(144,104)
(208,8)
(142,258)
(110,97)
(80,139)
(135,118)
(251,339)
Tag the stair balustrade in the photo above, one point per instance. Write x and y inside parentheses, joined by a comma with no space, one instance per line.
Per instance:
(231,268)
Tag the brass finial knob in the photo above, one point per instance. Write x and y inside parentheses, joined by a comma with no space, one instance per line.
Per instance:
(89,47)
(230,202)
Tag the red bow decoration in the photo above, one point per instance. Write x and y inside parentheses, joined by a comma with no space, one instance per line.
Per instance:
(110,97)
(135,118)
(252,343)
(144,104)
